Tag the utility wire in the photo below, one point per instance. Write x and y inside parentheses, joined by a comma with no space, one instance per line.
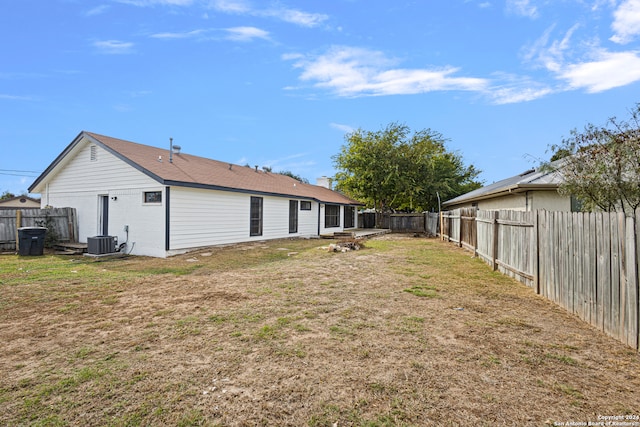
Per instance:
(17,170)
(32,175)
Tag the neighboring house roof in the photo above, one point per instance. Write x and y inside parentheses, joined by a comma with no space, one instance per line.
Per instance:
(545,178)
(19,201)
(187,170)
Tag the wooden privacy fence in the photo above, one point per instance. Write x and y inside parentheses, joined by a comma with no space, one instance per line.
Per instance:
(584,262)
(426,222)
(407,223)
(63,222)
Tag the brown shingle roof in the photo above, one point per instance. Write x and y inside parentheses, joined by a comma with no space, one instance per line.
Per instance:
(194,171)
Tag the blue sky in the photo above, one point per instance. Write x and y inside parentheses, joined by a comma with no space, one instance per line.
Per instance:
(279,83)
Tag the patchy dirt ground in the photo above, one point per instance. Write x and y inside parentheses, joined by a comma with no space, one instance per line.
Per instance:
(406,331)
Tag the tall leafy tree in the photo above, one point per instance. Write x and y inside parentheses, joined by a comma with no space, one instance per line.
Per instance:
(294,176)
(394,169)
(7,195)
(601,164)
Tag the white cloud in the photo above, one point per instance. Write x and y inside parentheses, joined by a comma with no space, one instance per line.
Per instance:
(584,65)
(626,24)
(114,47)
(520,91)
(15,97)
(522,8)
(185,35)
(292,16)
(292,56)
(98,10)
(607,71)
(245,34)
(297,17)
(353,72)
(550,55)
(145,3)
(231,6)
(342,128)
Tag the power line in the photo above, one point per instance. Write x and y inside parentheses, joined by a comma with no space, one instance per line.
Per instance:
(19,174)
(16,170)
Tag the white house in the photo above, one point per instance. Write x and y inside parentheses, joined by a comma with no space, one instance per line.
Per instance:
(529,191)
(162,202)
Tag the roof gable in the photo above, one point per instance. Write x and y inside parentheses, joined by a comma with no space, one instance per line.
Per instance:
(547,178)
(17,200)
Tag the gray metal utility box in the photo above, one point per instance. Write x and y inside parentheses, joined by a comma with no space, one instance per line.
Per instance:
(100,245)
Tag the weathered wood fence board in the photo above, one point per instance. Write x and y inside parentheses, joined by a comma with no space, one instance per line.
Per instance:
(427,222)
(585,262)
(407,223)
(432,223)
(62,221)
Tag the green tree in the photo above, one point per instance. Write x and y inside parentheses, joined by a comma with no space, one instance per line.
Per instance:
(7,195)
(393,169)
(600,164)
(294,176)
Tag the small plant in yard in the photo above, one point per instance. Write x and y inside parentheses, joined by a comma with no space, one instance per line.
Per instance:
(423,291)
(567,360)
(51,237)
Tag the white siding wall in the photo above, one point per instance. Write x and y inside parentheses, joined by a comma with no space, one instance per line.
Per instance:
(80,183)
(207,217)
(308,220)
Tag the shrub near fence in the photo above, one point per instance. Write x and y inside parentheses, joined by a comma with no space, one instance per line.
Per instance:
(584,262)
(61,221)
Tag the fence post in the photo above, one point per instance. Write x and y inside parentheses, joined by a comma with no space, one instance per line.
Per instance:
(494,252)
(18,225)
(536,259)
(475,234)
(629,291)
(636,285)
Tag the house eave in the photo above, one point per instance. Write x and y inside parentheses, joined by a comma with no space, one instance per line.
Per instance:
(248,191)
(514,189)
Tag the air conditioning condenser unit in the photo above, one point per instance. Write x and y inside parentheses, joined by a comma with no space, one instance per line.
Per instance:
(100,245)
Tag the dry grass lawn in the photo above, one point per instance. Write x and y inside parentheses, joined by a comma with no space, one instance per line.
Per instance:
(405,332)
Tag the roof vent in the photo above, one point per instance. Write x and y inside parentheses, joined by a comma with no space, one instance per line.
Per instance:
(176,149)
